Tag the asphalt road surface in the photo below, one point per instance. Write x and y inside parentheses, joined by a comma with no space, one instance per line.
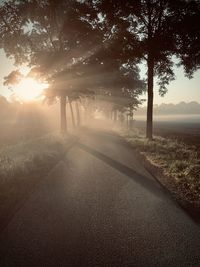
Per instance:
(100,207)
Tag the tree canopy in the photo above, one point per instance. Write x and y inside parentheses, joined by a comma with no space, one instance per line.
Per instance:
(96,45)
(65,42)
(156,31)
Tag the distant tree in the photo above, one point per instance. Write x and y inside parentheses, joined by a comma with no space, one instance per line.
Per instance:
(156,31)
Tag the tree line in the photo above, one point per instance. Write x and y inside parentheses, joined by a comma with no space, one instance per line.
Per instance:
(92,49)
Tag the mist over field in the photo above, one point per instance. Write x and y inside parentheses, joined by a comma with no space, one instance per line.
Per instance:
(21,122)
(182,108)
(173,118)
(181,120)
(185,128)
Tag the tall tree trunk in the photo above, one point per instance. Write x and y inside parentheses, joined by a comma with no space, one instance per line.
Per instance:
(149,126)
(78,114)
(63,119)
(72,114)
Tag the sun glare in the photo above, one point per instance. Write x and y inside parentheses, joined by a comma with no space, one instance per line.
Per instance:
(24,70)
(29,89)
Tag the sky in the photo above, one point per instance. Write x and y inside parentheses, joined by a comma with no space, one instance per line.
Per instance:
(182,89)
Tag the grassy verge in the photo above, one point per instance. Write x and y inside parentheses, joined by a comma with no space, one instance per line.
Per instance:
(23,165)
(176,160)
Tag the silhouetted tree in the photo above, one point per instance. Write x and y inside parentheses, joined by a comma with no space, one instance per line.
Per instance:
(50,35)
(156,31)
(67,44)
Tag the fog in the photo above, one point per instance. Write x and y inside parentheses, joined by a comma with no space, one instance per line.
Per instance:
(20,122)
(24,121)
(185,118)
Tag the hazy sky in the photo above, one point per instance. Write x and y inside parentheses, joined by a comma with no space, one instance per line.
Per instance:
(182,89)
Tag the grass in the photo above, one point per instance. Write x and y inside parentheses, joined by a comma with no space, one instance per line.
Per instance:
(175,159)
(23,165)
(30,157)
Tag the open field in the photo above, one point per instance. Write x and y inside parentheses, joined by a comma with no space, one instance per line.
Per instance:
(185,130)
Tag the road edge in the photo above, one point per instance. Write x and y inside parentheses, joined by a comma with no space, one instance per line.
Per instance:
(192,208)
(167,182)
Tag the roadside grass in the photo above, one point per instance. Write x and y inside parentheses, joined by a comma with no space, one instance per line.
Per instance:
(30,157)
(175,159)
(23,165)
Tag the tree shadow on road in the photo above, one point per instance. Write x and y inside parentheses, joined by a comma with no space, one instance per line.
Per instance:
(153,186)
(145,182)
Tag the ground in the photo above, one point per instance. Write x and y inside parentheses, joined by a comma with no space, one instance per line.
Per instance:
(100,207)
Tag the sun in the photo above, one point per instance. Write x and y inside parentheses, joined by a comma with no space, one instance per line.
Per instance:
(29,89)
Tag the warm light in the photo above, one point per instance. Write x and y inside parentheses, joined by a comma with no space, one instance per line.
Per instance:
(24,70)
(29,89)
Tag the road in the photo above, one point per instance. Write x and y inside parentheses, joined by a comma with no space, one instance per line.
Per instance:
(100,207)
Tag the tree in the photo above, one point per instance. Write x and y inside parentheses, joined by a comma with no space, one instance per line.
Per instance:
(156,31)
(67,43)
(48,35)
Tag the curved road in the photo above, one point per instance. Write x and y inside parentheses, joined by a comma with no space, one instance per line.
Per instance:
(100,207)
